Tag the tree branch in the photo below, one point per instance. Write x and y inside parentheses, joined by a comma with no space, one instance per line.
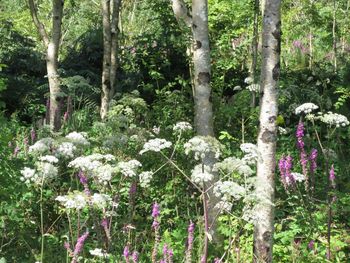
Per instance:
(40,26)
(181,12)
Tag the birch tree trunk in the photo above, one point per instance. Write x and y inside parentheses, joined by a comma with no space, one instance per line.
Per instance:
(110,17)
(255,43)
(203,112)
(271,44)
(52,45)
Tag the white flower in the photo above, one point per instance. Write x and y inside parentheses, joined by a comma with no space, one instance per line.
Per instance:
(233,164)
(156,130)
(76,200)
(248,80)
(104,173)
(101,201)
(182,126)
(42,146)
(202,146)
(85,163)
(29,175)
(200,175)
(298,177)
(155,145)
(78,138)
(228,189)
(237,88)
(253,88)
(306,108)
(282,130)
(224,206)
(251,153)
(98,252)
(49,159)
(66,150)
(47,170)
(129,168)
(334,119)
(145,178)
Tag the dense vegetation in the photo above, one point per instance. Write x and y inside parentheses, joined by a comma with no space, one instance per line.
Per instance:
(134,186)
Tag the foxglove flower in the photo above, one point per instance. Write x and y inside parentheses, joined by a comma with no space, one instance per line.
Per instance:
(332,176)
(79,245)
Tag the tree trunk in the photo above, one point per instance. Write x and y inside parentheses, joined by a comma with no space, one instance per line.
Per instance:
(52,45)
(110,40)
(255,43)
(271,43)
(334,34)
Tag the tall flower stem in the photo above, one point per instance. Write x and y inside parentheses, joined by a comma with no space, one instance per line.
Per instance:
(42,221)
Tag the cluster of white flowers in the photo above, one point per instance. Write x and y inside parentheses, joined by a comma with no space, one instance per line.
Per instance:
(248,80)
(49,159)
(306,108)
(66,150)
(334,119)
(228,189)
(202,146)
(182,126)
(99,252)
(101,201)
(233,164)
(76,200)
(47,170)
(297,177)
(85,163)
(145,178)
(282,130)
(104,173)
(129,168)
(40,147)
(78,139)
(29,175)
(224,206)
(251,153)
(200,175)
(253,88)
(155,145)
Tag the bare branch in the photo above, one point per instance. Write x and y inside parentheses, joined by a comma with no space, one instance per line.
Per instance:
(40,26)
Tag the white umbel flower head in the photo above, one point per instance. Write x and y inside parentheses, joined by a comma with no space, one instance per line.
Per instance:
(200,176)
(248,80)
(85,163)
(228,189)
(202,146)
(306,108)
(298,177)
(76,200)
(129,168)
(104,173)
(182,126)
(233,164)
(251,153)
(66,150)
(155,145)
(28,175)
(79,139)
(47,170)
(49,159)
(101,201)
(253,88)
(99,252)
(145,178)
(42,146)
(224,206)
(334,119)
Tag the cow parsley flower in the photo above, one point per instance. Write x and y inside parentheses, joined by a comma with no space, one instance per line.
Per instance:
(182,126)
(145,178)
(66,150)
(76,200)
(78,139)
(248,80)
(47,170)
(49,159)
(203,146)
(42,146)
(155,145)
(233,164)
(228,189)
(224,206)
(334,119)
(99,252)
(200,175)
(104,173)
(129,168)
(101,201)
(306,108)
(28,175)
(298,177)
(251,153)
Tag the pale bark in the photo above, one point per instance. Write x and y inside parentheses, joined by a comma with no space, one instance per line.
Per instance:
(52,45)
(110,17)
(203,116)
(255,43)
(264,212)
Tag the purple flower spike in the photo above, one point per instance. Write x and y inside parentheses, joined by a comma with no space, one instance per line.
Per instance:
(332,176)
(155,210)
(311,245)
(32,135)
(313,163)
(16,151)
(300,134)
(126,253)
(80,243)
(135,256)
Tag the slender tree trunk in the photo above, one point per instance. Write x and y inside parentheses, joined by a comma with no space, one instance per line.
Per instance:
(203,116)
(110,17)
(52,45)
(334,34)
(271,42)
(255,43)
